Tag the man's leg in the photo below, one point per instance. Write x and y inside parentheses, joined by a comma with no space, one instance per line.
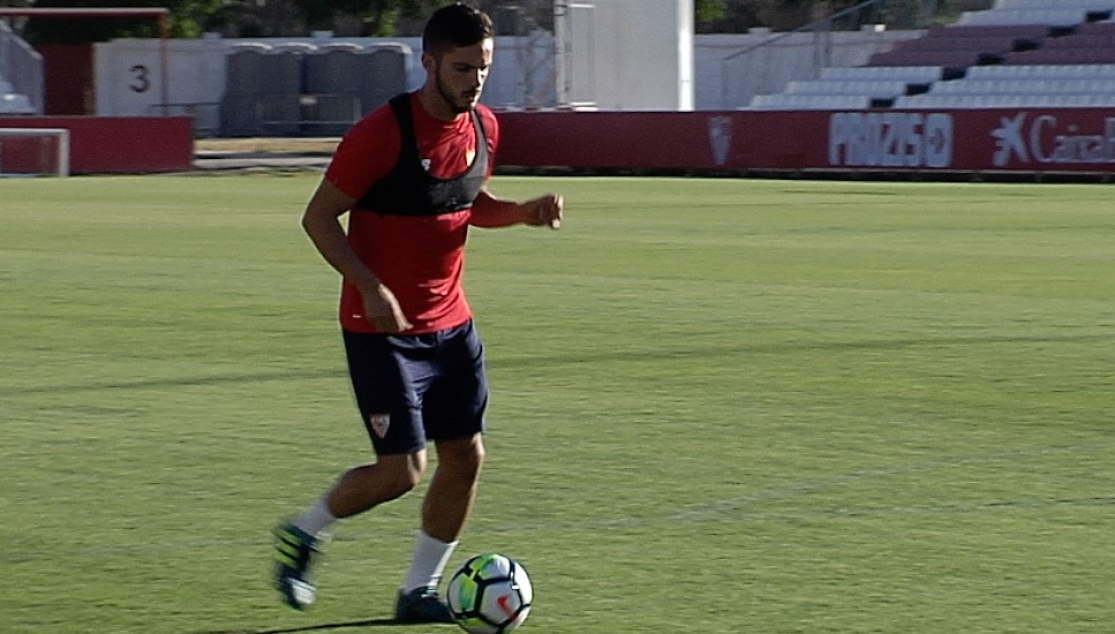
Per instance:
(360,489)
(445,509)
(363,488)
(452,489)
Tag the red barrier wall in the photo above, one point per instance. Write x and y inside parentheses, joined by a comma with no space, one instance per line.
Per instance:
(68,78)
(120,145)
(1069,140)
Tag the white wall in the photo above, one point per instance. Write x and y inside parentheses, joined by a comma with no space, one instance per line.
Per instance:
(128,75)
(626,54)
(524,76)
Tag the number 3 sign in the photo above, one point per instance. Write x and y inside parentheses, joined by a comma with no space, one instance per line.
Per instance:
(140,82)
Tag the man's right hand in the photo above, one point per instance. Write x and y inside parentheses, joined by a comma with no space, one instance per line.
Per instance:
(382,310)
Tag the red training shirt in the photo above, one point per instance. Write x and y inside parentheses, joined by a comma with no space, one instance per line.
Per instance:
(420,258)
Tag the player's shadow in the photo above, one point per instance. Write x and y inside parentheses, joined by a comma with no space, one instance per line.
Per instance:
(323,627)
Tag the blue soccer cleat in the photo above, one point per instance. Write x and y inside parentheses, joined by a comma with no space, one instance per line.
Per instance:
(295,552)
(421,605)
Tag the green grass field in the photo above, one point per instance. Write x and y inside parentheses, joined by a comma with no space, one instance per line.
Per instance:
(724,406)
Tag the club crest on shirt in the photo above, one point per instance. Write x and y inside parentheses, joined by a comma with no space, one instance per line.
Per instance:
(379,423)
(426,164)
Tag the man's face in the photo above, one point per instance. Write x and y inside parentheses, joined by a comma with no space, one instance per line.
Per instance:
(459,74)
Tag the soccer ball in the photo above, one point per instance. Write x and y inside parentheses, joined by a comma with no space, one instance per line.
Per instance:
(490,594)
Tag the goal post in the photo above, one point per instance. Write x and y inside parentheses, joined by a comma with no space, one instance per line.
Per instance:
(34,151)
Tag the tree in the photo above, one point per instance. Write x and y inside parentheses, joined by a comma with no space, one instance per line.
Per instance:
(378,17)
(709,10)
(186,20)
(290,18)
(738,16)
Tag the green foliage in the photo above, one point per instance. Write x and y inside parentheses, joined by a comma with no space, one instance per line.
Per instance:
(379,17)
(84,30)
(249,18)
(718,406)
(187,18)
(709,10)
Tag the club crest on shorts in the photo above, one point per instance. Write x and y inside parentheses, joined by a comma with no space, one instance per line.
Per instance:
(379,423)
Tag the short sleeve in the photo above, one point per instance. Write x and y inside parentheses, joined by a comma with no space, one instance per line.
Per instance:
(366,153)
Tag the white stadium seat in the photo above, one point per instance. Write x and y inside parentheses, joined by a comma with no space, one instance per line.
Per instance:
(933,101)
(11,103)
(908,74)
(1050,17)
(863,87)
(1024,86)
(1083,5)
(785,101)
(1043,71)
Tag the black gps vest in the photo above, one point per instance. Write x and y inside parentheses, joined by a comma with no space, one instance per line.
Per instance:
(409,190)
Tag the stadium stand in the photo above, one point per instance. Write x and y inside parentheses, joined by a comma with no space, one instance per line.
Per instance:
(1086,43)
(1105,27)
(878,88)
(12,102)
(1063,55)
(841,87)
(1044,71)
(1082,40)
(908,74)
(947,59)
(1059,17)
(1023,86)
(1087,5)
(1018,54)
(789,101)
(963,46)
(946,101)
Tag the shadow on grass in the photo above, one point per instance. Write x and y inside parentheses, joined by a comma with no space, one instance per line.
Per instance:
(323,627)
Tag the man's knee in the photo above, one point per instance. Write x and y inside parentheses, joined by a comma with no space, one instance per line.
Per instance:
(463,456)
(401,473)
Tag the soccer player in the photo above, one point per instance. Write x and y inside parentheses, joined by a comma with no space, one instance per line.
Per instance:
(412,176)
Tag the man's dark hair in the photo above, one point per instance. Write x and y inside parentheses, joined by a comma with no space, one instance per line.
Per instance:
(455,26)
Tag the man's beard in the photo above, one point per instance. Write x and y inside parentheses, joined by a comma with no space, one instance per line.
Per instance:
(449,98)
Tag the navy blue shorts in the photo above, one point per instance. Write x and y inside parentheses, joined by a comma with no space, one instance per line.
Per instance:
(414,388)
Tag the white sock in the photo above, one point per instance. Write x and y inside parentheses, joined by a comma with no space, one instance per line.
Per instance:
(428,562)
(317,518)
